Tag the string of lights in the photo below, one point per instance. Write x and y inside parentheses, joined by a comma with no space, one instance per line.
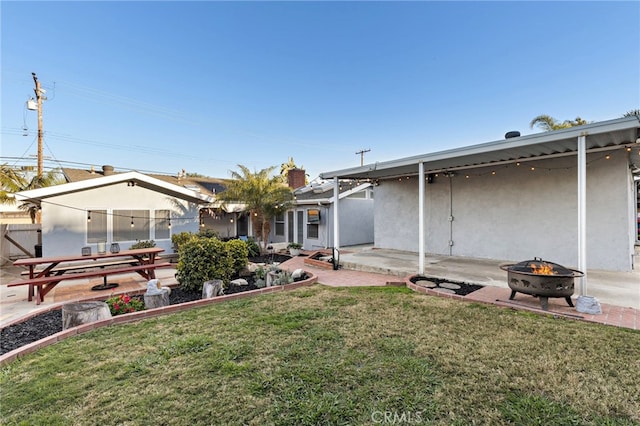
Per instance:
(493,170)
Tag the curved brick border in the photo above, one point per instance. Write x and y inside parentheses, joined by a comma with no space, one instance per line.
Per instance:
(136,316)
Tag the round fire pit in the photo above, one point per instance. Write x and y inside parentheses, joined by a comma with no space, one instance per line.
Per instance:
(541,279)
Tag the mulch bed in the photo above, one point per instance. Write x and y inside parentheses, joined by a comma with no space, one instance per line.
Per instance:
(463,290)
(48,323)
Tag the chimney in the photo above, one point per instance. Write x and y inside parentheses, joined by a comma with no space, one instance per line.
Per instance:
(107,170)
(296,178)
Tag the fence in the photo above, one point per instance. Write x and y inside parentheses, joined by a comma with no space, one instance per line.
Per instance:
(19,240)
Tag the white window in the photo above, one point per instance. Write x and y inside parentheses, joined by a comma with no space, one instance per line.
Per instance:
(163,224)
(131,225)
(280,224)
(96,226)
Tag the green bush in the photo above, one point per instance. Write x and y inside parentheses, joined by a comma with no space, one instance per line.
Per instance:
(253,247)
(239,253)
(203,259)
(143,244)
(180,238)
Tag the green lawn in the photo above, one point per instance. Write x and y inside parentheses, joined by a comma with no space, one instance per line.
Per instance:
(323,356)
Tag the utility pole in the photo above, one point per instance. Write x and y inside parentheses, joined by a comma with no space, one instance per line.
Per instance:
(361,154)
(39,92)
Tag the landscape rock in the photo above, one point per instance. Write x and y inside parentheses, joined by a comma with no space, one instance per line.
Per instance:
(240,281)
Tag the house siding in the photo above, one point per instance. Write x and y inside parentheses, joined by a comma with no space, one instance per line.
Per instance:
(64,229)
(517,213)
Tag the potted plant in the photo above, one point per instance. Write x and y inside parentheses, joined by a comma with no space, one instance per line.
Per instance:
(294,248)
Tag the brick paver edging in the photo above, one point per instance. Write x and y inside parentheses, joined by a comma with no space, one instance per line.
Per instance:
(137,316)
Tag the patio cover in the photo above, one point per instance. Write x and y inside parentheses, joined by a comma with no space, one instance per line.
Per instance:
(579,140)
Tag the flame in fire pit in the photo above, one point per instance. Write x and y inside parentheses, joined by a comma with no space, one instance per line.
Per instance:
(543,269)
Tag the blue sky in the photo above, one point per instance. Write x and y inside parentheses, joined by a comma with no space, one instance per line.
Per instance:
(204,86)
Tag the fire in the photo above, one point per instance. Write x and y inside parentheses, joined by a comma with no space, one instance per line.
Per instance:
(543,269)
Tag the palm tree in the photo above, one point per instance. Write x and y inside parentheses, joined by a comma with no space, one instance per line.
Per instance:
(13,181)
(548,123)
(632,112)
(263,194)
(285,167)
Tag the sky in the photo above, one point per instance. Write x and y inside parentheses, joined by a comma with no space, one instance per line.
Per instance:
(205,86)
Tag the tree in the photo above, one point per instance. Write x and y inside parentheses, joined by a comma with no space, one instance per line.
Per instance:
(263,194)
(13,181)
(548,123)
(632,112)
(285,167)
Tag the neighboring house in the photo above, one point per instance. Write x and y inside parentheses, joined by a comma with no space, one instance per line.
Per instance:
(310,220)
(117,207)
(566,196)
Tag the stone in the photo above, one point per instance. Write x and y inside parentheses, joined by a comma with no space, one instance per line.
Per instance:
(588,305)
(298,273)
(450,286)
(212,288)
(154,287)
(78,313)
(427,284)
(240,282)
(157,300)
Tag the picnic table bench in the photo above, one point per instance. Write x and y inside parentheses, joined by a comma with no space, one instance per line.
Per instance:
(60,268)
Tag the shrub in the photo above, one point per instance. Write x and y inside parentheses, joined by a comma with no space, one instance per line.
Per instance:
(208,233)
(203,259)
(143,244)
(253,247)
(239,253)
(124,304)
(179,239)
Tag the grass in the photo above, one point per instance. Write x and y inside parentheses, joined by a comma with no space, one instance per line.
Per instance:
(324,356)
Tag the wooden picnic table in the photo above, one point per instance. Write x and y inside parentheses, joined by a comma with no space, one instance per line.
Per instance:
(57,268)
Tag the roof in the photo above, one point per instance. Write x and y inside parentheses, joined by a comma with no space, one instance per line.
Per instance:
(137,178)
(601,135)
(205,185)
(323,192)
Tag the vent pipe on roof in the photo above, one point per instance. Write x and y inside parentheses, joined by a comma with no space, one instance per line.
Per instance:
(512,134)
(107,170)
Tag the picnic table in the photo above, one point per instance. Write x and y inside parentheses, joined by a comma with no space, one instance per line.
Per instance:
(46,272)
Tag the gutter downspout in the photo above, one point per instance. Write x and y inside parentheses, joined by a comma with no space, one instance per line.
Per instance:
(582,211)
(421,218)
(336,224)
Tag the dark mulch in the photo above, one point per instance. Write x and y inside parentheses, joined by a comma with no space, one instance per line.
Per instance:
(46,324)
(465,288)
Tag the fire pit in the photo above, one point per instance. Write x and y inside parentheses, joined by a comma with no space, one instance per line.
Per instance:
(541,279)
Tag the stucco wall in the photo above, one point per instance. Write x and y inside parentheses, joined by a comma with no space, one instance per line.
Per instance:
(64,220)
(356,222)
(516,214)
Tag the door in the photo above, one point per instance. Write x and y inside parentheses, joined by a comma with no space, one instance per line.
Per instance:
(290,227)
(300,234)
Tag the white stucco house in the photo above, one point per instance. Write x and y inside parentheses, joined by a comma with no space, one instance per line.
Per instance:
(310,220)
(110,207)
(567,196)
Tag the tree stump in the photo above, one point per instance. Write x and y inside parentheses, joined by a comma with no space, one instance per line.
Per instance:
(212,288)
(74,314)
(157,300)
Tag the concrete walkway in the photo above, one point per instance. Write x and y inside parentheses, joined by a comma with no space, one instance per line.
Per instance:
(618,293)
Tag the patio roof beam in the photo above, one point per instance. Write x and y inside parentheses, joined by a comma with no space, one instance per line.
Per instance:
(336,222)
(582,212)
(421,218)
